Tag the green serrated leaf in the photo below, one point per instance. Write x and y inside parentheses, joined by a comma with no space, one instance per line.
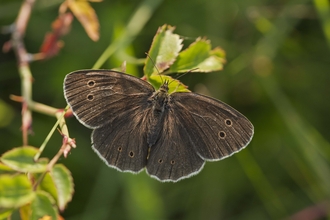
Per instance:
(47,184)
(21,159)
(210,64)
(174,86)
(4,169)
(64,184)
(15,191)
(5,212)
(219,52)
(199,57)
(163,51)
(43,205)
(188,59)
(149,66)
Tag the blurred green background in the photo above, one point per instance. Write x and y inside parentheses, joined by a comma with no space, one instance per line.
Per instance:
(277,74)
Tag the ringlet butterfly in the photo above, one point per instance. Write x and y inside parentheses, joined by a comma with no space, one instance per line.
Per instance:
(136,127)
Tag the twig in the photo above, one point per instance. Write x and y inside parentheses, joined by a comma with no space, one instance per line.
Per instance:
(23,65)
(60,114)
(67,144)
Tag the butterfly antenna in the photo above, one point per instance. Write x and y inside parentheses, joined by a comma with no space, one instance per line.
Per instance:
(155,66)
(184,74)
(187,38)
(181,76)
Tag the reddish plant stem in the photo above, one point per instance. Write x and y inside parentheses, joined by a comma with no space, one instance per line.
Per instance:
(23,65)
(23,59)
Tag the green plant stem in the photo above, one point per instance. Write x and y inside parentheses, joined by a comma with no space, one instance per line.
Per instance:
(51,111)
(66,143)
(38,107)
(51,164)
(60,121)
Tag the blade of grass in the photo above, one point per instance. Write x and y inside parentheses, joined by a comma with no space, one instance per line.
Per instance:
(323,9)
(134,27)
(263,187)
(312,146)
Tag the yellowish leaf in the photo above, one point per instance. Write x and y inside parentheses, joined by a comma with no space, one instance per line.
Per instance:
(86,16)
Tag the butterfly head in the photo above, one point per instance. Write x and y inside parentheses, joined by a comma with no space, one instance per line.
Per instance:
(164,87)
(160,98)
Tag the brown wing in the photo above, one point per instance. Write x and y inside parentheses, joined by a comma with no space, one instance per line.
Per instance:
(196,128)
(116,106)
(122,144)
(173,157)
(216,129)
(98,96)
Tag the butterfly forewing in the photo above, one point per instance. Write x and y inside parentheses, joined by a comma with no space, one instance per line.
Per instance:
(97,96)
(215,129)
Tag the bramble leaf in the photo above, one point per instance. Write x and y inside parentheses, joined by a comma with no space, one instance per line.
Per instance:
(22,159)
(15,191)
(43,205)
(199,57)
(64,184)
(164,49)
(4,169)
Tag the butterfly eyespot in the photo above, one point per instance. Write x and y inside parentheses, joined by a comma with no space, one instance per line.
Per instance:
(160,161)
(120,149)
(91,83)
(172,162)
(131,154)
(222,134)
(90,97)
(228,122)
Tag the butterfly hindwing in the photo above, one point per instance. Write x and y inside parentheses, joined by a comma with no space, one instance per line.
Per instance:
(173,156)
(122,144)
